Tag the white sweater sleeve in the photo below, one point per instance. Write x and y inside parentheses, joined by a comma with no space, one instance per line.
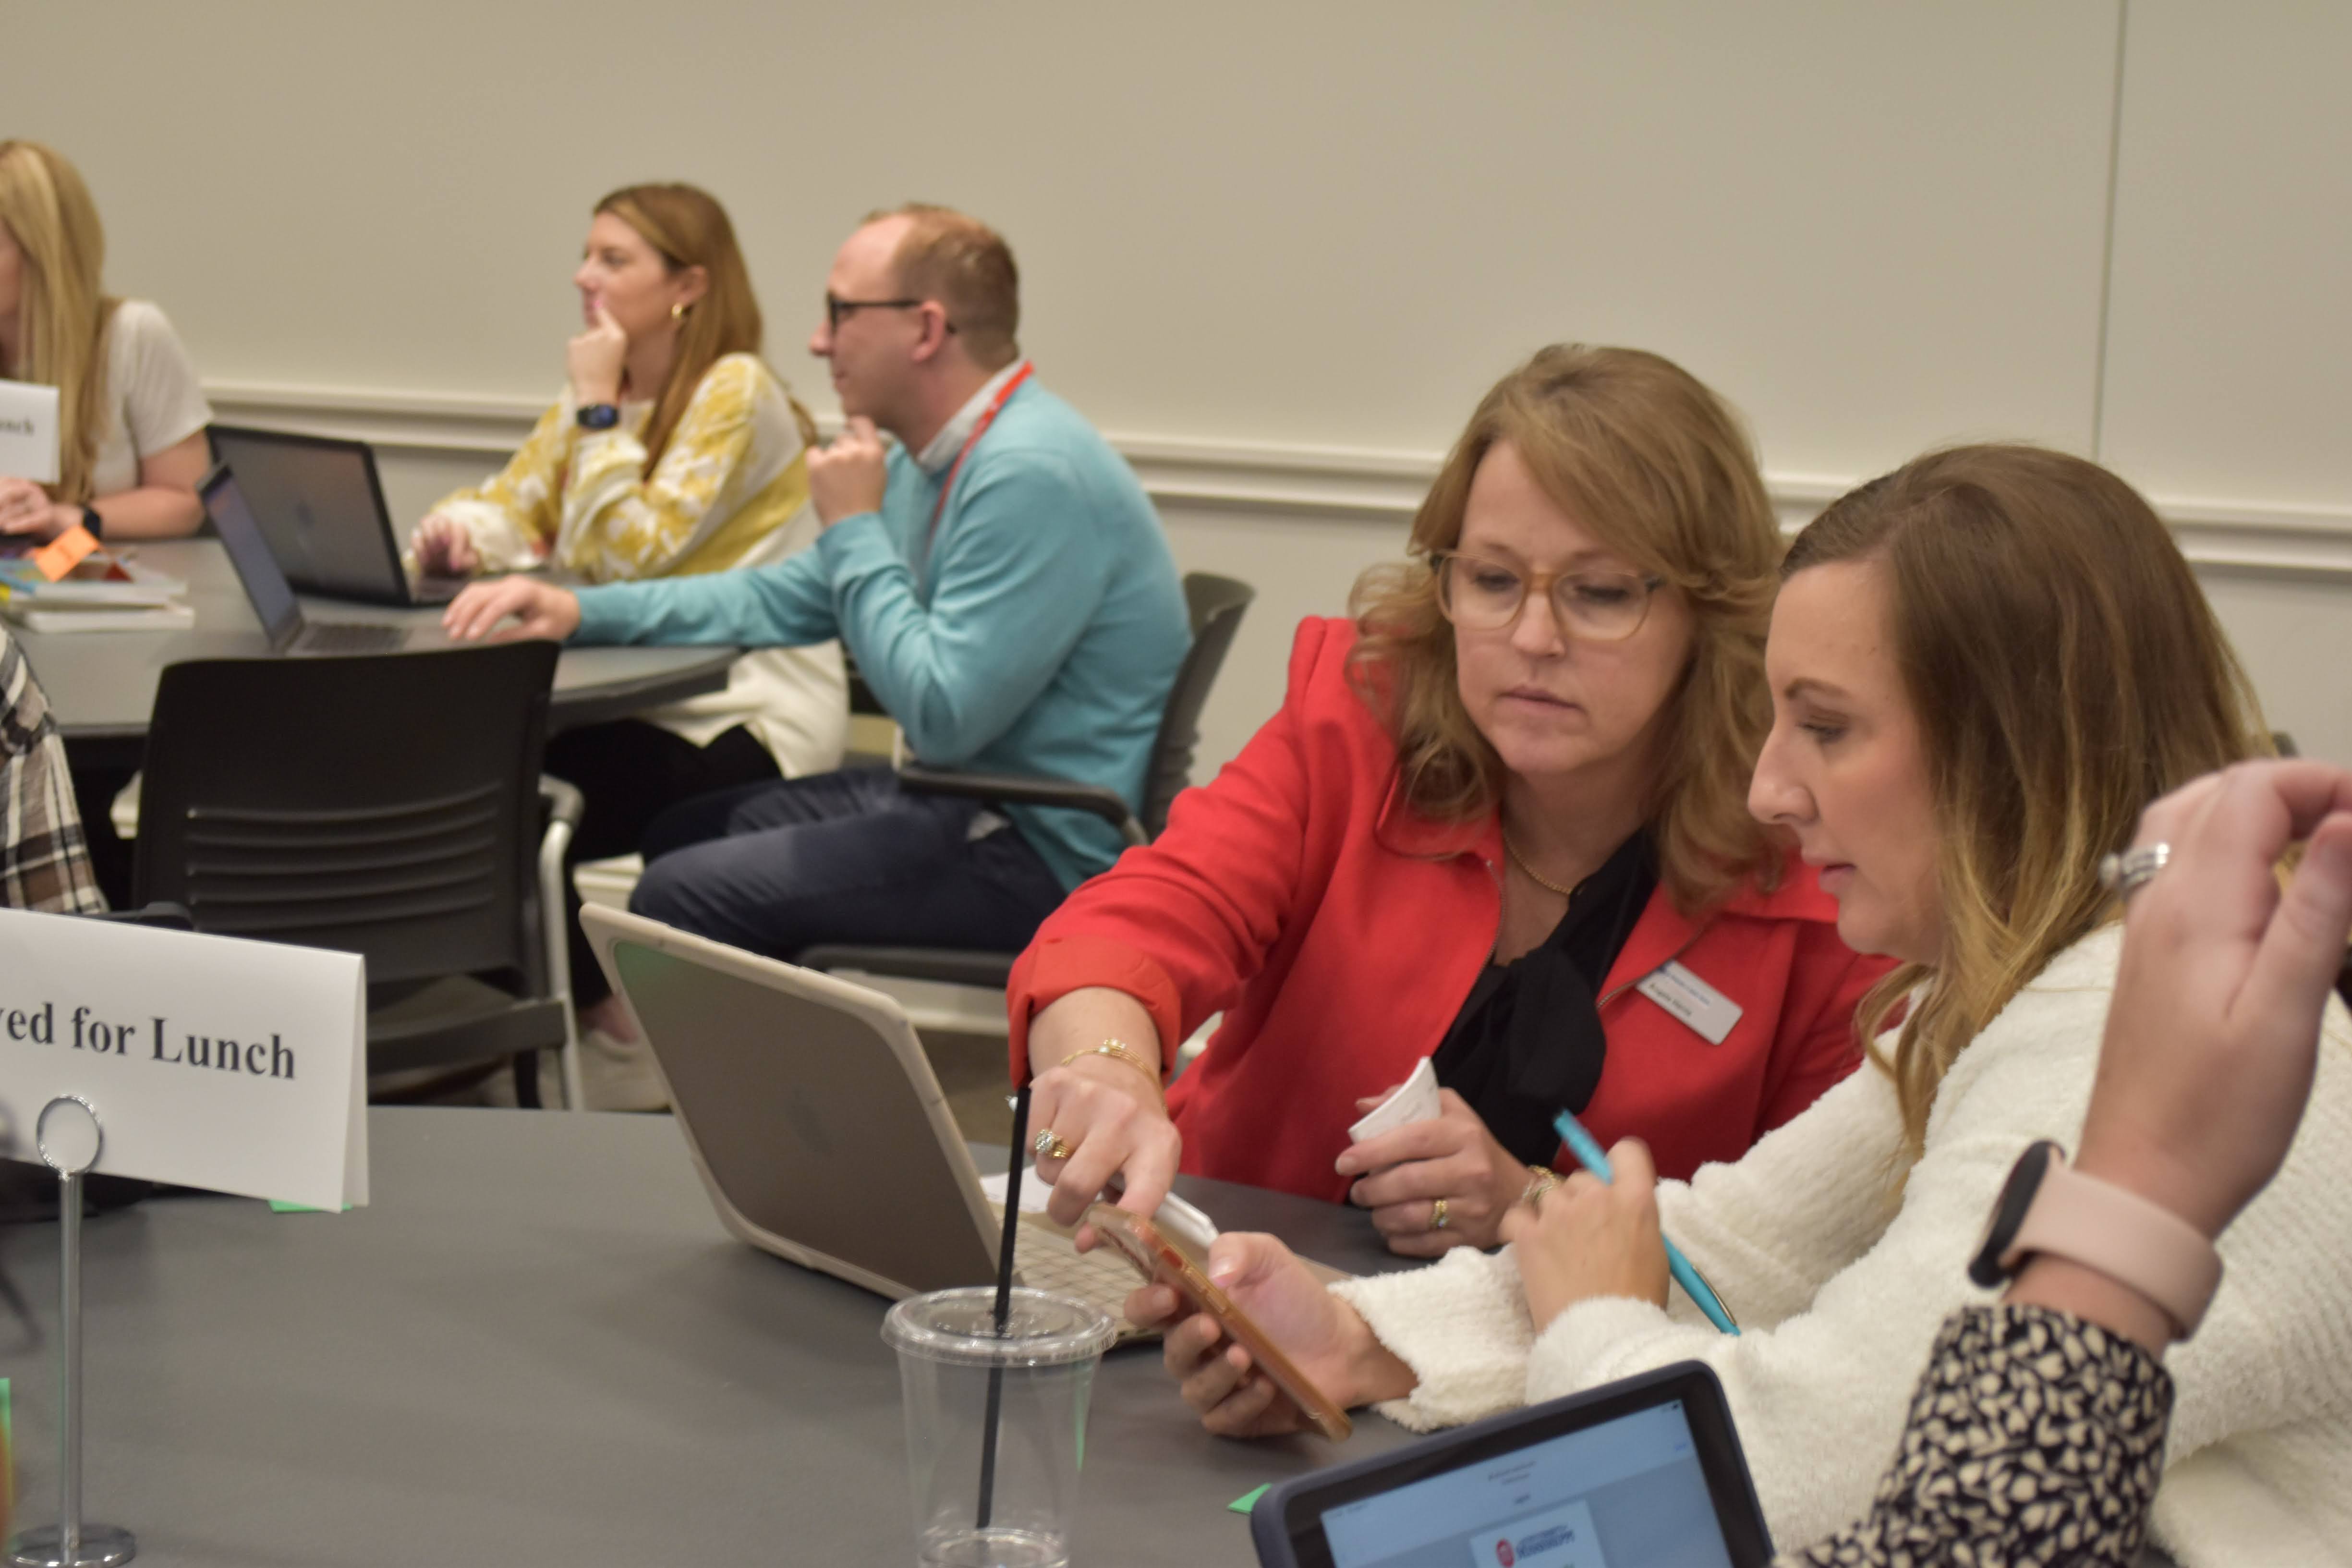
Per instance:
(2261,1435)
(1820,1394)
(1765,1231)
(2261,1424)
(1461,1324)
(1768,1229)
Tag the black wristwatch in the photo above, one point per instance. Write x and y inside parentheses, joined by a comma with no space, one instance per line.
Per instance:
(2008,1215)
(93,523)
(598,415)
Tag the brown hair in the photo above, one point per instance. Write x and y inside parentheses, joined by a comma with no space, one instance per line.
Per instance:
(62,312)
(1636,449)
(966,266)
(689,227)
(2065,670)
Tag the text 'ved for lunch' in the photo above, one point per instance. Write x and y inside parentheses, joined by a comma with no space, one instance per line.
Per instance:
(86,1032)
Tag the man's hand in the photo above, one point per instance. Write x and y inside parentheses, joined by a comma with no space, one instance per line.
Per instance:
(1452,1156)
(848,478)
(539,610)
(445,548)
(594,359)
(1583,1239)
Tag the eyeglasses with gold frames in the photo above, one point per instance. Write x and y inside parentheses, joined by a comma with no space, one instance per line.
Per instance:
(1594,605)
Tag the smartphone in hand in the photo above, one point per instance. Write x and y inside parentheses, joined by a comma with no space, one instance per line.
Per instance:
(1163,1262)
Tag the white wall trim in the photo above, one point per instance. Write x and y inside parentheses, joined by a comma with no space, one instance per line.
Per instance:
(1352,484)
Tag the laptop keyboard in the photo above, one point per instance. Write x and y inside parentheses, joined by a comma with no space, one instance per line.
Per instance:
(1046,1259)
(349,637)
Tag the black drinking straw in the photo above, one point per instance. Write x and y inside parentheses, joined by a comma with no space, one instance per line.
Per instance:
(1004,1306)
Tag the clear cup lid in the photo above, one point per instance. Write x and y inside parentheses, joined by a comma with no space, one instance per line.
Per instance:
(959,1326)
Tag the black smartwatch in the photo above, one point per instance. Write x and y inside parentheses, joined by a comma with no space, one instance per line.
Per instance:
(1987,1268)
(598,415)
(93,523)
(2047,1207)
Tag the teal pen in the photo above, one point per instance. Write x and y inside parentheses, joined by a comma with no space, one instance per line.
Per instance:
(1589,1155)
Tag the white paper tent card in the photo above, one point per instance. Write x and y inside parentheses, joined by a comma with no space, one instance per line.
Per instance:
(28,431)
(210,1061)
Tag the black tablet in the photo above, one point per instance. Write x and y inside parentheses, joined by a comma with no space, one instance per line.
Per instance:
(1641,1473)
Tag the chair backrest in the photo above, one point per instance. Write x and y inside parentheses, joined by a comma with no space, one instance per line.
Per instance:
(386,805)
(1216,605)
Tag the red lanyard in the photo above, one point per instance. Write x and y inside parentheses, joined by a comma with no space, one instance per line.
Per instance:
(987,418)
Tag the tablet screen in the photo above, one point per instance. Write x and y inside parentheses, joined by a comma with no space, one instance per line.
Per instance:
(1627,1493)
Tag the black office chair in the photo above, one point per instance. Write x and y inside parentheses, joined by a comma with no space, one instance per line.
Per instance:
(1215,604)
(391,806)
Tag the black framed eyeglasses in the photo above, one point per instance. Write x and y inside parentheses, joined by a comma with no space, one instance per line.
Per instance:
(839,310)
(1597,605)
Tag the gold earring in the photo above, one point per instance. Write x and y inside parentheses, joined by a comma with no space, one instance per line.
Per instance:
(677,312)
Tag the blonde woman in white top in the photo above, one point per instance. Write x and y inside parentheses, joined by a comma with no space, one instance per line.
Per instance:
(674,450)
(1982,668)
(131,415)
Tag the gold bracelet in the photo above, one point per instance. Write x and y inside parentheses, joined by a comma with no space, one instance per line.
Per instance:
(1542,1180)
(1118,1051)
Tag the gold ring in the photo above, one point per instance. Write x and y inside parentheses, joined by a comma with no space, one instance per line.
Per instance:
(1437,1215)
(1051,1145)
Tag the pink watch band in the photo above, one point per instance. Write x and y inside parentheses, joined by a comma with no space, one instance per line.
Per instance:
(2123,1235)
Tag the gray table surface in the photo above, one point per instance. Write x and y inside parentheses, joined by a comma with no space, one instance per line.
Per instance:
(537,1346)
(101,685)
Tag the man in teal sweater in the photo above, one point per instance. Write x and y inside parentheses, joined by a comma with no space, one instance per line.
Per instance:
(1000,580)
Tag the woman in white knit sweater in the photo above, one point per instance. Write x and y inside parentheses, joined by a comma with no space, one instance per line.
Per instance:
(1983,665)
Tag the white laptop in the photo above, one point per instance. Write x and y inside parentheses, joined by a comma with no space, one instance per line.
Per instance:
(819,1128)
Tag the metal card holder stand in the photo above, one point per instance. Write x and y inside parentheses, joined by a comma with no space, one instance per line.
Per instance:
(70,1543)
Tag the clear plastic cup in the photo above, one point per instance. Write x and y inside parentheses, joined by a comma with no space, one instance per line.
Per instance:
(953,1367)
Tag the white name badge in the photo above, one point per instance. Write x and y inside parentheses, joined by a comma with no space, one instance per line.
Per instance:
(210,1061)
(29,432)
(1707,1010)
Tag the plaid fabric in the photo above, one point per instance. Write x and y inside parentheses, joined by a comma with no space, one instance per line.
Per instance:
(44,859)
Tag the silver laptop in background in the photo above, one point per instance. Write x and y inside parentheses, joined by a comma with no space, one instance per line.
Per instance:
(267,590)
(320,505)
(817,1125)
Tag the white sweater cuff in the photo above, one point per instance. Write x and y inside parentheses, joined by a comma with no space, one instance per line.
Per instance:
(1567,1357)
(1462,1328)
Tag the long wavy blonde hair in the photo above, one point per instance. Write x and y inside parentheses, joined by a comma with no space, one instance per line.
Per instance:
(1659,469)
(2065,670)
(62,311)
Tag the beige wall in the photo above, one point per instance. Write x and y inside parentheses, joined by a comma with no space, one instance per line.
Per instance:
(1277,251)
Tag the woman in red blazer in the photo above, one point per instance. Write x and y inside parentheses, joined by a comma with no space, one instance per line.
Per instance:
(1499,822)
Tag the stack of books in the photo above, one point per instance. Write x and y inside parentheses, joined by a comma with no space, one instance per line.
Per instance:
(102,593)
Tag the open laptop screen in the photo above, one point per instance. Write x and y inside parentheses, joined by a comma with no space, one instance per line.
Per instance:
(320,507)
(240,535)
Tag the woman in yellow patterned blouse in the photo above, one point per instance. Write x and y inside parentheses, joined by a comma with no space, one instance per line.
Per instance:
(674,449)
